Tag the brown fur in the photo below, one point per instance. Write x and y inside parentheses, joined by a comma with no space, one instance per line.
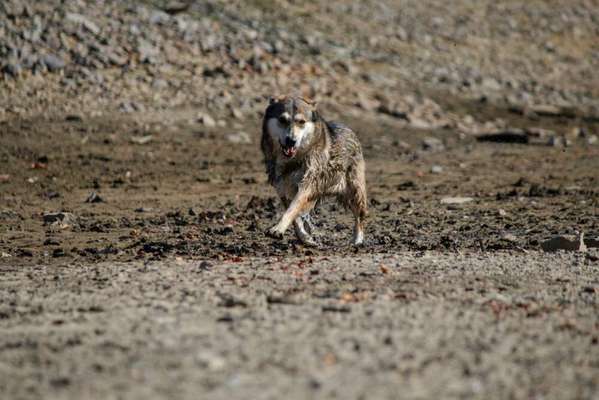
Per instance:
(328,162)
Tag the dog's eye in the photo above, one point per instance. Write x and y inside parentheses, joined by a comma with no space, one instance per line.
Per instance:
(283,120)
(301,122)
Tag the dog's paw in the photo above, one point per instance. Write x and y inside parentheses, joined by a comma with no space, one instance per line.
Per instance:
(310,242)
(274,233)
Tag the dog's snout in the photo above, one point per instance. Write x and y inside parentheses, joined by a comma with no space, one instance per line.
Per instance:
(289,142)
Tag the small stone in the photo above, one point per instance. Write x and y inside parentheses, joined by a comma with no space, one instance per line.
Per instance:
(239,138)
(59,218)
(456,200)
(436,169)
(236,112)
(564,242)
(509,237)
(94,198)
(13,69)
(592,242)
(82,20)
(502,213)
(593,139)
(432,144)
(556,141)
(419,123)
(142,139)
(53,63)
(207,120)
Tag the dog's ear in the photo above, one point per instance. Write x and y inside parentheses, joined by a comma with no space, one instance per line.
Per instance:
(310,102)
(276,99)
(315,115)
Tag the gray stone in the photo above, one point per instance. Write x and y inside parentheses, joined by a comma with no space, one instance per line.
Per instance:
(53,62)
(456,200)
(13,69)
(82,20)
(432,144)
(239,138)
(60,218)
(564,242)
(207,120)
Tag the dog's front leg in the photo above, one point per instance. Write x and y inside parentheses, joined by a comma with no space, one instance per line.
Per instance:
(302,202)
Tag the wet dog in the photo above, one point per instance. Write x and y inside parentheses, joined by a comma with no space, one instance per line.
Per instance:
(308,158)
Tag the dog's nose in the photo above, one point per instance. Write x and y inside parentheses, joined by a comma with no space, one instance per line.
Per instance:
(289,142)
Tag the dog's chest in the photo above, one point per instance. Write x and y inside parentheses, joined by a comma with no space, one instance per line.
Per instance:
(289,176)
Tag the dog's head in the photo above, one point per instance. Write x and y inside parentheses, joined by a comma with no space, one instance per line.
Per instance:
(291,123)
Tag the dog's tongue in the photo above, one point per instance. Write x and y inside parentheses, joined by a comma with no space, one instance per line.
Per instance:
(289,151)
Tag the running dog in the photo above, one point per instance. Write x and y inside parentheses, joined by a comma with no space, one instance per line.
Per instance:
(308,158)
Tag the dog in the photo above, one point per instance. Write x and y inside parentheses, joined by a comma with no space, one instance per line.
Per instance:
(308,158)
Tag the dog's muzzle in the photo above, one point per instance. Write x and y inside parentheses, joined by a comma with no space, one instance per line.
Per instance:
(289,147)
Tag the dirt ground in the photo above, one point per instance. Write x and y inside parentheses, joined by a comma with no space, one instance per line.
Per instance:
(133,201)
(168,287)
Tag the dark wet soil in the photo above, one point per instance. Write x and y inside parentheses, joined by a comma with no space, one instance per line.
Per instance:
(191,193)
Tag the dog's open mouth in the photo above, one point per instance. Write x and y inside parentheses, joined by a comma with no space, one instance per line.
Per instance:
(289,151)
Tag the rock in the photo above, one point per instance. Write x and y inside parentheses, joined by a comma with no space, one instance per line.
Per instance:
(556,141)
(82,20)
(592,242)
(564,242)
(237,113)
(432,144)
(419,123)
(239,138)
(548,110)
(53,62)
(456,200)
(593,139)
(147,52)
(575,133)
(13,8)
(60,218)
(507,136)
(141,139)
(176,7)
(131,106)
(94,198)
(509,237)
(12,68)
(436,169)
(159,17)
(491,84)
(207,120)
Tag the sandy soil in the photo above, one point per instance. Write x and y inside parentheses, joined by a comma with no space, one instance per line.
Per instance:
(169,288)
(133,201)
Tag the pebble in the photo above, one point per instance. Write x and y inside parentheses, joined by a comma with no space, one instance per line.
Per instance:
(94,198)
(436,169)
(59,218)
(564,242)
(456,200)
(53,62)
(207,120)
(432,144)
(239,138)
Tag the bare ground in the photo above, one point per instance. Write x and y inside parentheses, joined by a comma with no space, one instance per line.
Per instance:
(155,280)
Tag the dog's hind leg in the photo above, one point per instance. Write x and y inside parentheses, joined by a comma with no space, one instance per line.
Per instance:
(308,224)
(303,231)
(357,201)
